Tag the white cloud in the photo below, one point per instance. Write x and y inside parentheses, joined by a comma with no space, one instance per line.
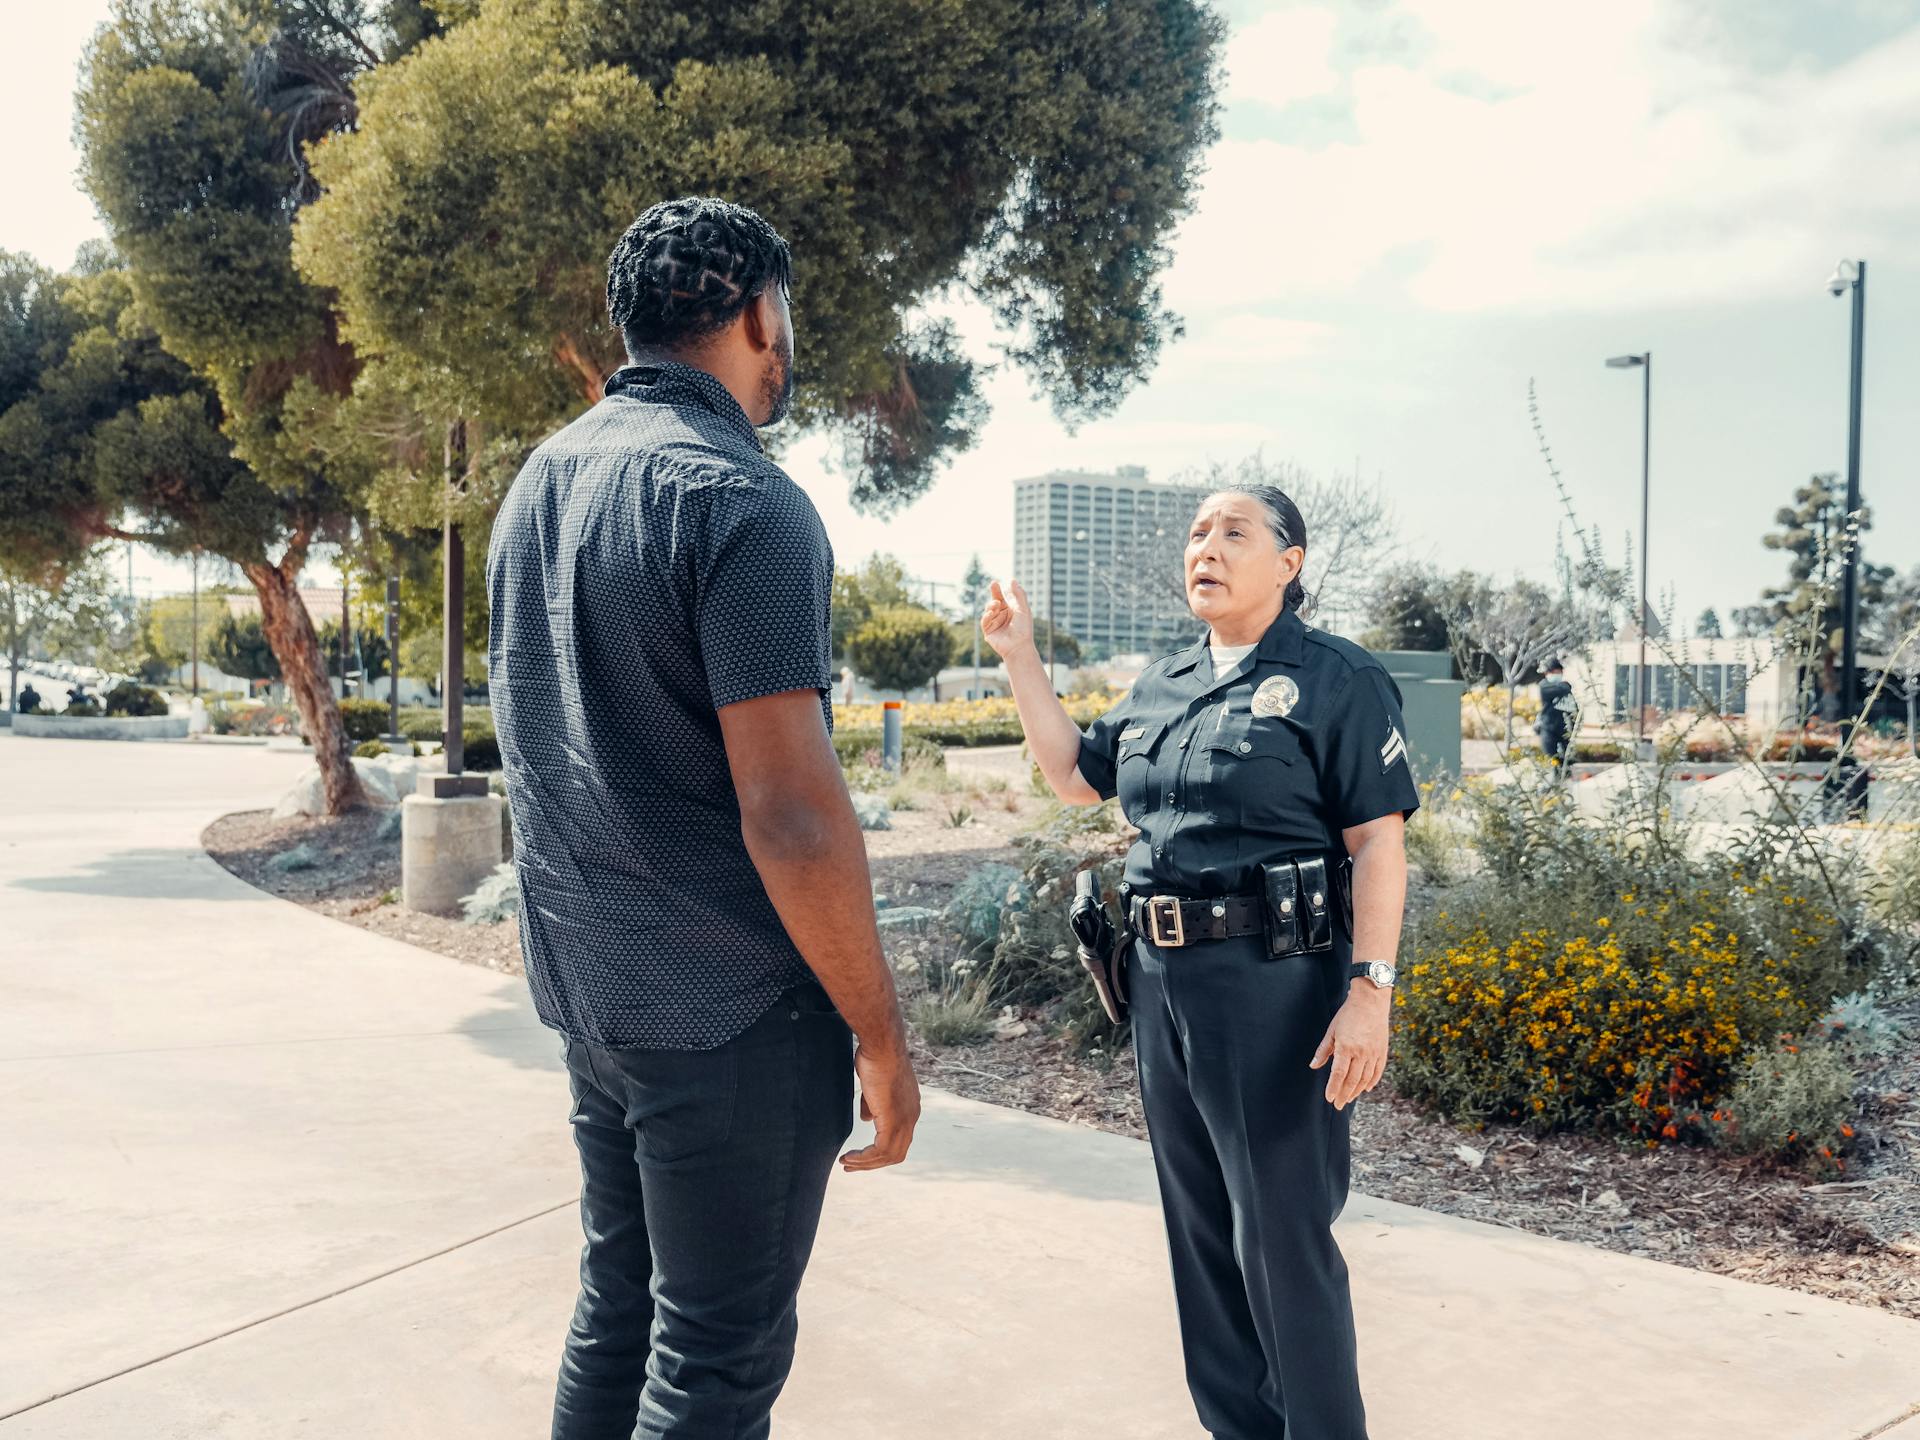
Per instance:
(1521,160)
(1284,56)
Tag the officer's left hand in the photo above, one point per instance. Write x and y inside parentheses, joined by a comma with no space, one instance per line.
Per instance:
(1356,1044)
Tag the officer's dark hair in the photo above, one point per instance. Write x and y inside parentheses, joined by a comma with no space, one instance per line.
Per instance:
(1284,519)
(687,268)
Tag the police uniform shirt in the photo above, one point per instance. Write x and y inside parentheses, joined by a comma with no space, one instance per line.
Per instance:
(1273,758)
(649,566)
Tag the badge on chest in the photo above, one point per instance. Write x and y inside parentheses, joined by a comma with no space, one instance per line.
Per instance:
(1276,696)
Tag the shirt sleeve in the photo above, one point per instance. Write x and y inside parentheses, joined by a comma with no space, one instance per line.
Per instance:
(763,589)
(1100,745)
(1367,771)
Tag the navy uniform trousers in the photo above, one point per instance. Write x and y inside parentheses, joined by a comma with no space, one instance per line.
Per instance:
(1253,1165)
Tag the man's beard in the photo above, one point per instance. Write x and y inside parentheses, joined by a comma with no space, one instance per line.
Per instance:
(776,385)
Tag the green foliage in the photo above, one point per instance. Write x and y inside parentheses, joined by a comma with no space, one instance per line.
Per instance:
(880,584)
(956,1012)
(238,645)
(1034,960)
(978,902)
(1791,1101)
(365,719)
(467,218)
(369,750)
(58,610)
(901,648)
(1812,534)
(128,698)
(1409,605)
(497,900)
(1610,977)
(83,708)
(860,753)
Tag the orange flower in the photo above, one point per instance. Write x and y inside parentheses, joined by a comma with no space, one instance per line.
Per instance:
(1847,1130)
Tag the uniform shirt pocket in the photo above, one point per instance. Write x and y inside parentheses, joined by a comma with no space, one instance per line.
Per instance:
(1254,768)
(1134,759)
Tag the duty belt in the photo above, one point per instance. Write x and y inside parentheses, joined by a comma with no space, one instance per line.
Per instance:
(1295,910)
(1171,922)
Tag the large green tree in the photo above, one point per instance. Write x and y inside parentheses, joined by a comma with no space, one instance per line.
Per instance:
(1807,610)
(194,117)
(1037,156)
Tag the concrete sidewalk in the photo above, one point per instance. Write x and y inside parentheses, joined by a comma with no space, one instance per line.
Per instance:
(265,1174)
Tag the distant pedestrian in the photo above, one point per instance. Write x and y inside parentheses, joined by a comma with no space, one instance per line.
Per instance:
(1558,712)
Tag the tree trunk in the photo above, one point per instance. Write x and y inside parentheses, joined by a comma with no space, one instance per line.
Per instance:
(12,651)
(289,630)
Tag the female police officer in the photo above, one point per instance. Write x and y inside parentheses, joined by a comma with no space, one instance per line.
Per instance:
(1254,764)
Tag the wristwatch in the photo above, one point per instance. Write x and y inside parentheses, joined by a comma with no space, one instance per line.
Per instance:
(1378,972)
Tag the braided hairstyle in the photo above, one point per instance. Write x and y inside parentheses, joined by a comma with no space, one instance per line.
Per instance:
(687,268)
(1284,519)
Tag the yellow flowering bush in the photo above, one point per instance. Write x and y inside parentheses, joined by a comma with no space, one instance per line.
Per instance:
(963,722)
(1612,977)
(1633,1016)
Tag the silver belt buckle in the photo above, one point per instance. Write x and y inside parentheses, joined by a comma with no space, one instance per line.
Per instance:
(1160,910)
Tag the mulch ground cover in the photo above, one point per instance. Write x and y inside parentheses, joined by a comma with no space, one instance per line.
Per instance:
(1856,1241)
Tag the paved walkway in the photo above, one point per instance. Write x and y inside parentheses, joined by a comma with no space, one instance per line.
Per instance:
(265,1175)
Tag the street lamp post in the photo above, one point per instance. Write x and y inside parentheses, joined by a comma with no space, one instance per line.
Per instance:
(1851,275)
(1644,363)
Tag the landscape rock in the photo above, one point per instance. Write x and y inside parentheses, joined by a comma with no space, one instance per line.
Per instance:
(386,780)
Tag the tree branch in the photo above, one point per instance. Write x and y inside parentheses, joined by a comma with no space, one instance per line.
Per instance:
(345,31)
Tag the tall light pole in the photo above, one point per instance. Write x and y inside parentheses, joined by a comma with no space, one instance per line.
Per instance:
(1644,363)
(1851,274)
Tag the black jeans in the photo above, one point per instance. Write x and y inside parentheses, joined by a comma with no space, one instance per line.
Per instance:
(703,1174)
(1253,1165)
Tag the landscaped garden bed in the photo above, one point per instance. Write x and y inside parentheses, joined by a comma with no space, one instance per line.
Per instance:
(978,865)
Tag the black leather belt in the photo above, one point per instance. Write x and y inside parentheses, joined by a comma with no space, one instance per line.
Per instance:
(1171,922)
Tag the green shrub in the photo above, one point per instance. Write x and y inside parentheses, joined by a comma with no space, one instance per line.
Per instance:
(1034,961)
(957,1013)
(1793,1102)
(417,722)
(129,698)
(365,719)
(977,903)
(861,750)
(497,899)
(85,708)
(1603,977)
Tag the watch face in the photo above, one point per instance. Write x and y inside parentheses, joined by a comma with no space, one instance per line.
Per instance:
(1380,973)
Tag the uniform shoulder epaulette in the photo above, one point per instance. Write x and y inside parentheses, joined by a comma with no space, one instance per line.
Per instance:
(1358,657)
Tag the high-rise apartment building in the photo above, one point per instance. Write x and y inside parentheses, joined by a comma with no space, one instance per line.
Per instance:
(1090,549)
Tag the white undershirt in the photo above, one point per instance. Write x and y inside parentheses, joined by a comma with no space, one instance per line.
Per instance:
(1228,657)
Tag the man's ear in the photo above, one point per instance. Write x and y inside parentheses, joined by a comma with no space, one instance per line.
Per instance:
(762,318)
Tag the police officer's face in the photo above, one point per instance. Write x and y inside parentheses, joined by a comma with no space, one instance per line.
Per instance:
(1237,574)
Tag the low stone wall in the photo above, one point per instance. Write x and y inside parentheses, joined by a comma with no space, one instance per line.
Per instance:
(102,727)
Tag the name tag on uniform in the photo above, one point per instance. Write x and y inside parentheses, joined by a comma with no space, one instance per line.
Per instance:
(1133,734)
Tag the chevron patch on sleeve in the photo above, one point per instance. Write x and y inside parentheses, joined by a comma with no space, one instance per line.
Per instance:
(1394,751)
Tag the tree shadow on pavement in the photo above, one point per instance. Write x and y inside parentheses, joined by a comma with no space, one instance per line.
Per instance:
(151,873)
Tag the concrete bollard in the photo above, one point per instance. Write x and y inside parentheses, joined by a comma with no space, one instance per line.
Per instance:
(447,847)
(891,742)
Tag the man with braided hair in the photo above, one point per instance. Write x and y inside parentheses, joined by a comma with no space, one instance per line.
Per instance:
(696,911)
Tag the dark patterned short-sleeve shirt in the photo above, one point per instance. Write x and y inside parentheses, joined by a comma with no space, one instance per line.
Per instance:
(649,566)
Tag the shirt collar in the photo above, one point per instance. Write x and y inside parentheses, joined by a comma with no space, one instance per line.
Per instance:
(1284,642)
(671,383)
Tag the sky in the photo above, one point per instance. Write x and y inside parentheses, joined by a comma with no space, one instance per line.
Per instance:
(1416,209)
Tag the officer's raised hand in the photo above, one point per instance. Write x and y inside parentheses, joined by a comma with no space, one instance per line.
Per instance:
(1008,621)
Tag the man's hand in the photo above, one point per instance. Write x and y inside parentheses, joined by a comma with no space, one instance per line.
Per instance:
(890,1098)
(1356,1044)
(1008,622)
